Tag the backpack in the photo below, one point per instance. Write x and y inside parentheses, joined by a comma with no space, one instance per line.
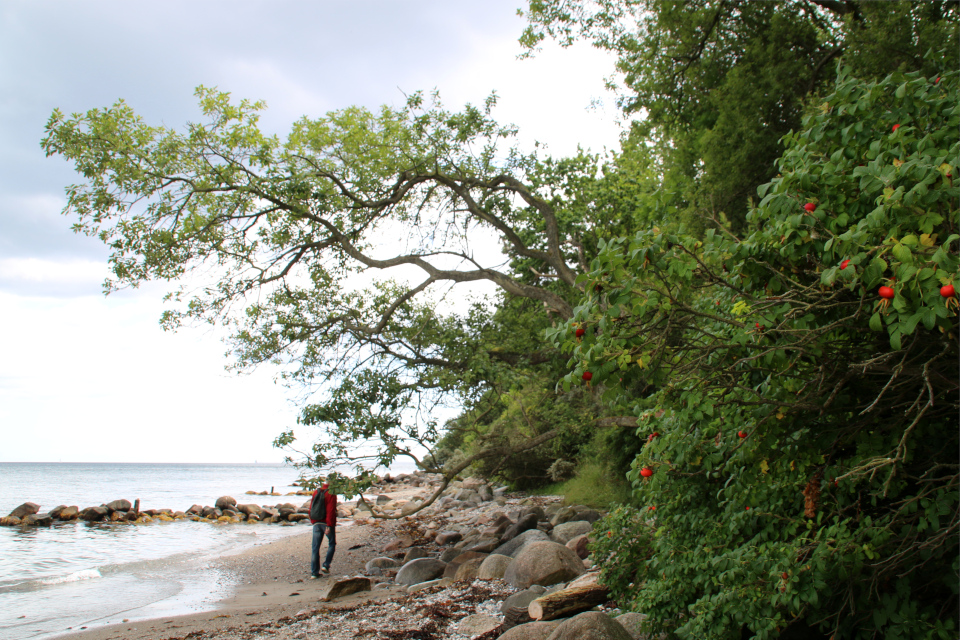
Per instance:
(318,511)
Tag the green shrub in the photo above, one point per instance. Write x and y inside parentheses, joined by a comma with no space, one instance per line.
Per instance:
(802,465)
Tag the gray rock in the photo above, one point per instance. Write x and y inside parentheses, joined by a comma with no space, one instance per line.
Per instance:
(477,624)
(93,514)
(543,563)
(590,515)
(533,508)
(483,545)
(514,546)
(591,625)
(410,507)
(530,631)
(26,509)
(515,608)
(451,570)
(467,571)
(248,509)
(118,505)
(493,567)
(449,555)
(420,570)
(382,499)
(579,545)
(564,515)
(448,537)
(631,623)
(70,513)
(485,493)
(564,533)
(399,543)
(525,523)
(425,585)
(226,502)
(381,563)
(38,519)
(413,553)
(346,587)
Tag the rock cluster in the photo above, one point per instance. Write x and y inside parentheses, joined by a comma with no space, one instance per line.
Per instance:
(225,510)
(475,534)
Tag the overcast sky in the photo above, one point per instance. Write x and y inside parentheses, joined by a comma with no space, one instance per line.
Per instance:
(85,377)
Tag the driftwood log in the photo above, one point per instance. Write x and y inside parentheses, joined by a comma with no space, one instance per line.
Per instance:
(568,602)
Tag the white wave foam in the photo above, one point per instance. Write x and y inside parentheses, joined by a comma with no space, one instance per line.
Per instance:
(86,574)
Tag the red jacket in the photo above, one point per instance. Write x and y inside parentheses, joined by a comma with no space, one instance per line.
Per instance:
(331,506)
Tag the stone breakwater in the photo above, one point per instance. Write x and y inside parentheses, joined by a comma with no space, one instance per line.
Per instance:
(225,510)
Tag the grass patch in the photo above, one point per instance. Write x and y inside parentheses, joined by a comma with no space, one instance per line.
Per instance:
(592,487)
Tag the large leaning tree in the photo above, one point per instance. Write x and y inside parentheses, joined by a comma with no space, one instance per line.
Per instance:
(329,252)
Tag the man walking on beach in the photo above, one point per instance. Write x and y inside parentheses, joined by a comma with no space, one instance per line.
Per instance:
(323,517)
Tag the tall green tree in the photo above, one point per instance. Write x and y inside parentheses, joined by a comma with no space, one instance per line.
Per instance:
(715,84)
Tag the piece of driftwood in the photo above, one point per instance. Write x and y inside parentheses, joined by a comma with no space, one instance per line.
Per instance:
(568,602)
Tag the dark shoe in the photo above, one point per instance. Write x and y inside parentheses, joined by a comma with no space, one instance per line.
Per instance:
(325,570)
(314,576)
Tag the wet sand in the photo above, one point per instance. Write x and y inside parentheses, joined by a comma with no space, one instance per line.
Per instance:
(271,582)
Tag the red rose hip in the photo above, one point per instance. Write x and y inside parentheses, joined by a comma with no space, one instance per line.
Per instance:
(810,207)
(646,472)
(587,376)
(742,434)
(895,127)
(580,332)
(948,291)
(886,292)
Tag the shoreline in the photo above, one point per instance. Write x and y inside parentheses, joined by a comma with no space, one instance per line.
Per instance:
(264,583)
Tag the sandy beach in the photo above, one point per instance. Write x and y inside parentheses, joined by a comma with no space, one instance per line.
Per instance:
(272,582)
(272,596)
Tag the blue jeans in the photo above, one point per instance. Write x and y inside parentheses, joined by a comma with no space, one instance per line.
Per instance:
(318,530)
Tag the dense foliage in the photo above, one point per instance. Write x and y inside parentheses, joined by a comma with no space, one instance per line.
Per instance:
(716,83)
(802,463)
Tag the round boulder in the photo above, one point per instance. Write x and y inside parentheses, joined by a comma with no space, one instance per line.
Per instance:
(420,570)
(631,622)
(564,533)
(26,509)
(531,631)
(477,624)
(494,567)
(448,537)
(119,505)
(543,563)
(226,502)
(591,625)
(513,547)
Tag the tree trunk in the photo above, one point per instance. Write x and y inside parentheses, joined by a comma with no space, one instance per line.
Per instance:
(568,602)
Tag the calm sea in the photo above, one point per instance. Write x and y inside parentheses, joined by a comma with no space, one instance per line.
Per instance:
(80,574)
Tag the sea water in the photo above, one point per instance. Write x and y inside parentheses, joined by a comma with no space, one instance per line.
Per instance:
(79,574)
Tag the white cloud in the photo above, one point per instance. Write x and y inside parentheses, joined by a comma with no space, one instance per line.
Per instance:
(96,379)
(44,277)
